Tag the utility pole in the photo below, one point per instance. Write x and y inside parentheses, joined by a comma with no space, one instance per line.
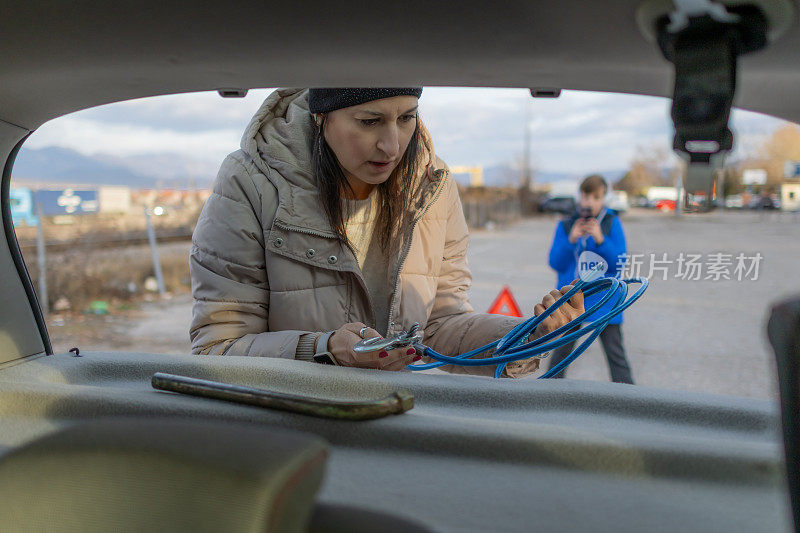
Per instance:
(151,236)
(526,171)
(721,174)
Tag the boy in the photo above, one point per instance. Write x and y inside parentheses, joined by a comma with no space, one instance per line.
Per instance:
(594,229)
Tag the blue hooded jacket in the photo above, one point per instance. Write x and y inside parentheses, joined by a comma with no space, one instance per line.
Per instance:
(564,255)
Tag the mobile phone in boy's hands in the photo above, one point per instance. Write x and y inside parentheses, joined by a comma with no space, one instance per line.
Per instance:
(585,212)
(578,230)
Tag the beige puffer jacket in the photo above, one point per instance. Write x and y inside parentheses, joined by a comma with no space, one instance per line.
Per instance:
(266,268)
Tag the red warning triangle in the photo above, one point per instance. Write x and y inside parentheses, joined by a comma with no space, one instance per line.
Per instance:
(505,304)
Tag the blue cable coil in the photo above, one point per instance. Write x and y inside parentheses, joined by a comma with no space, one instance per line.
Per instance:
(513,346)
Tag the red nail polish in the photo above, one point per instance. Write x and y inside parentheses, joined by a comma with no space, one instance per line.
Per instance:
(410,351)
(417,358)
(383,354)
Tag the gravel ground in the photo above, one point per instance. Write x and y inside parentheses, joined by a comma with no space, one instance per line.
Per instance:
(705,335)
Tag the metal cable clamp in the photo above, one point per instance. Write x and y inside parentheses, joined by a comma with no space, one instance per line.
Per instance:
(398,340)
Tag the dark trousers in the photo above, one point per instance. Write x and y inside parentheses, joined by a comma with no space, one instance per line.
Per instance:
(611,337)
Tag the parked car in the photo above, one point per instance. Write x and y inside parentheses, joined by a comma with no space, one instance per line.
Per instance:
(654,194)
(734,201)
(699,203)
(763,202)
(618,201)
(565,205)
(665,205)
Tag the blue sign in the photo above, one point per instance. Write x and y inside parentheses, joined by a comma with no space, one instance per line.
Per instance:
(67,201)
(21,200)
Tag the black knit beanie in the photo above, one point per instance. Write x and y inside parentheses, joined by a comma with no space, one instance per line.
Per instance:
(325,100)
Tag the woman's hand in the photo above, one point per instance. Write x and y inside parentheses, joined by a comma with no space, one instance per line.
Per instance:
(341,345)
(571,310)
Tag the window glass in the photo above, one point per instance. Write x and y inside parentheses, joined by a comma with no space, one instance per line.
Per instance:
(94,182)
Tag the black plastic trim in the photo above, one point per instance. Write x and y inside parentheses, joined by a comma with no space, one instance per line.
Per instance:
(13,245)
(783,330)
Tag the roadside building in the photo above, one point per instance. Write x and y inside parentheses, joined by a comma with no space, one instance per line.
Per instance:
(790,195)
(114,199)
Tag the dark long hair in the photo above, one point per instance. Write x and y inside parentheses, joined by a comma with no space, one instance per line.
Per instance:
(395,195)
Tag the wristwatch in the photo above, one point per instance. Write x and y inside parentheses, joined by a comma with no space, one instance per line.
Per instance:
(324,358)
(321,353)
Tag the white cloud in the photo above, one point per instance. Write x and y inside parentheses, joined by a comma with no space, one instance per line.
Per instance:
(182,112)
(91,137)
(578,132)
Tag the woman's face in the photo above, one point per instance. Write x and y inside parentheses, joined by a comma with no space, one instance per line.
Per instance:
(370,139)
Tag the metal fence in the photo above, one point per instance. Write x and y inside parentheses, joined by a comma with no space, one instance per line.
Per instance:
(484,213)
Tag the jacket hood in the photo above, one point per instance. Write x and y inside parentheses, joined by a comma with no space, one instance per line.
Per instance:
(280,134)
(279,140)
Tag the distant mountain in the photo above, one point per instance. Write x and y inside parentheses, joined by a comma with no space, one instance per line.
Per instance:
(62,165)
(55,164)
(169,168)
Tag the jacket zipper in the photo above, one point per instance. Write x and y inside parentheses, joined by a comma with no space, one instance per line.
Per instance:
(407,249)
(302,230)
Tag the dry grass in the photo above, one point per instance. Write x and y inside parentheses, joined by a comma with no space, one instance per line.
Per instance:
(82,276)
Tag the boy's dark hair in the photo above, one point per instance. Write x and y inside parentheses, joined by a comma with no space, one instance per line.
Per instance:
(593,183)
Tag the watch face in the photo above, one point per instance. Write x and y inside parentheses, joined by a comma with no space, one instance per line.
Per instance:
(323,358)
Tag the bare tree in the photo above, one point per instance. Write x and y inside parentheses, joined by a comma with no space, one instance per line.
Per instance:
(515,173)
(646,170)
(782,146)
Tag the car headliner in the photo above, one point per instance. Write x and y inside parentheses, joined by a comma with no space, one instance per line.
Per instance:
(555,453)
(58,57)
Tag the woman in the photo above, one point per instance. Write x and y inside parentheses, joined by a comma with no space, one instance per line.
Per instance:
(336,222)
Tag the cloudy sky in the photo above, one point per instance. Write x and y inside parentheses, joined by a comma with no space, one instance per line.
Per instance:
(580,132)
